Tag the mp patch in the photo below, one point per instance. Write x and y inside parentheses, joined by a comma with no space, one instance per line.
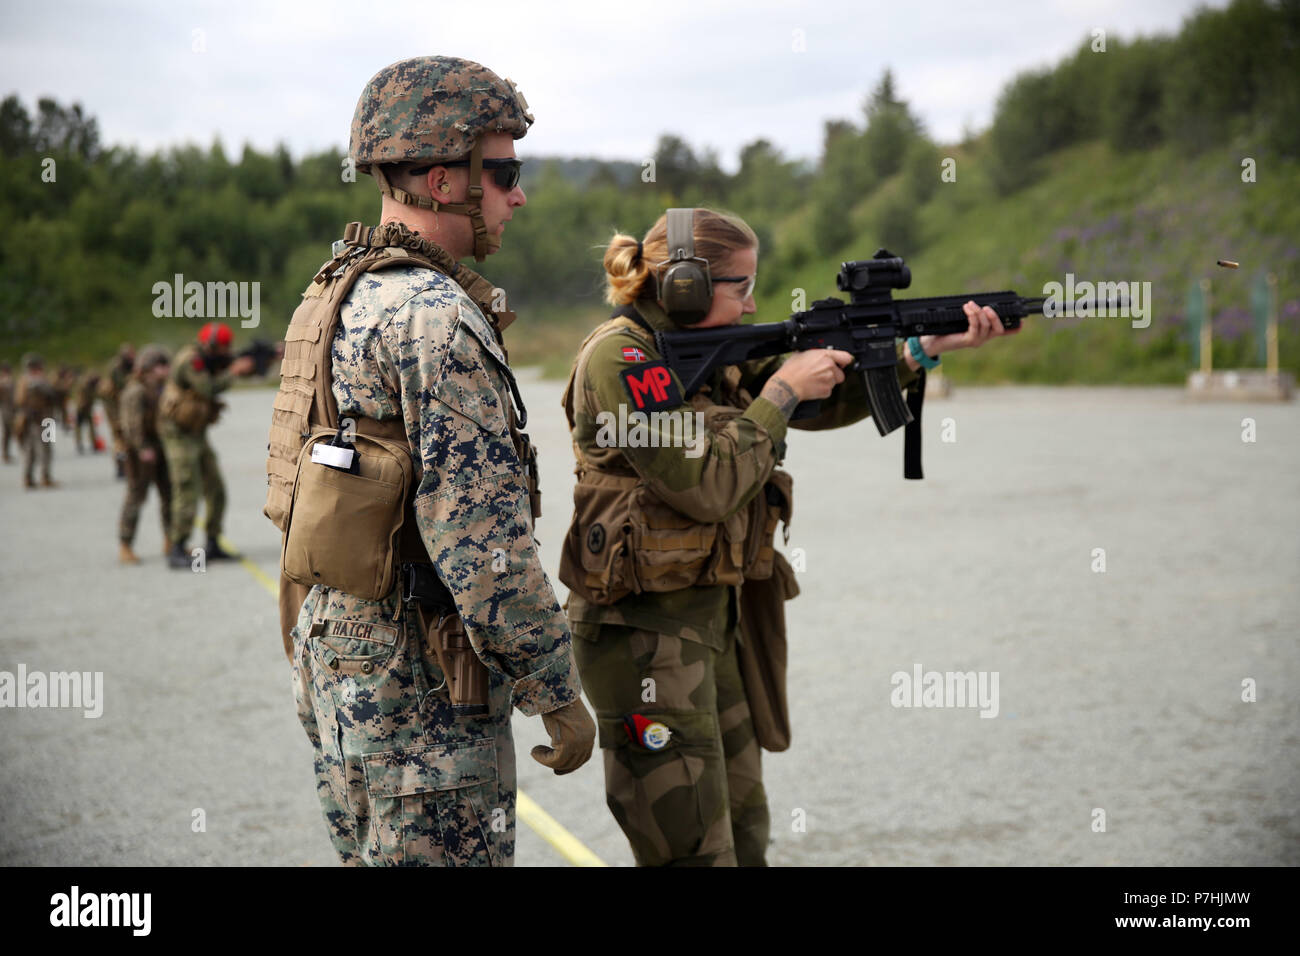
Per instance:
(651,387)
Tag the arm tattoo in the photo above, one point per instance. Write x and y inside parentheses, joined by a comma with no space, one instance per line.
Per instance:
(782,396)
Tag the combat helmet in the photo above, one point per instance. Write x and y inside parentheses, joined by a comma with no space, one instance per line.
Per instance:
(436,108)
(150,356)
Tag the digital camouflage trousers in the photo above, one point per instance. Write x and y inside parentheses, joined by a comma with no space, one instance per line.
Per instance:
(139,476)
(402,781)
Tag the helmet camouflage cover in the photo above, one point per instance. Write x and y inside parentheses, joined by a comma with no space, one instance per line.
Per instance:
(432,107)
(150,356)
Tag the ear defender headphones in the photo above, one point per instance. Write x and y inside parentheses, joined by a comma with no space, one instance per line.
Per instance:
(685,288)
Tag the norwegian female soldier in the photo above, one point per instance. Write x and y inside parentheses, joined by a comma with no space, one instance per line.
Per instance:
(675,508)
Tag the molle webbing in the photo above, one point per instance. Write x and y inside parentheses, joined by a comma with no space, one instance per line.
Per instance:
(306,398)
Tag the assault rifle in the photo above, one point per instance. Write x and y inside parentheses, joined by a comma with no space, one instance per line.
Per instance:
(262,353)
(867,326)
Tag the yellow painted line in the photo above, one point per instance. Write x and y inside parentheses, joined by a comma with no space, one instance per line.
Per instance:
(542,823)
(550,830)
(263,578)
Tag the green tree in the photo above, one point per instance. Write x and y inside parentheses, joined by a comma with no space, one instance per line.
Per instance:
(66,131)
(15,128)
(891,129)
(1134,97)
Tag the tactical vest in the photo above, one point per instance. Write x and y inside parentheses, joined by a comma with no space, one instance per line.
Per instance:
(623,539)
(36,399)
(185,408)
(305,410)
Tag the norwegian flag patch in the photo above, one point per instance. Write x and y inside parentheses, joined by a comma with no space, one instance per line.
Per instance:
(633,354)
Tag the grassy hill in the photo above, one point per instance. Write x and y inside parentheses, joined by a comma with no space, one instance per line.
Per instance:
(1155,217)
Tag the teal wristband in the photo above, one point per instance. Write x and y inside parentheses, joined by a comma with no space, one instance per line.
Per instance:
(918,353)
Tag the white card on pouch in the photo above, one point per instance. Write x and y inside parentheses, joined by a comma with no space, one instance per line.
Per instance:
(332,455)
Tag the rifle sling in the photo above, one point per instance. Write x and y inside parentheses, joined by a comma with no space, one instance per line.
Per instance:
(629,312)
(912,430)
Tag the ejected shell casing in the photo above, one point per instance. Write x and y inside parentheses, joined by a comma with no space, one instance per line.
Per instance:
(1228,263)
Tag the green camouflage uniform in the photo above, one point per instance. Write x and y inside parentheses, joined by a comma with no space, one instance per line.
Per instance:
(699,800)
(37,401)
(191,462)
(87,388)
(401,779)
(111,383)
(138,407)
(64,384)
(6,413)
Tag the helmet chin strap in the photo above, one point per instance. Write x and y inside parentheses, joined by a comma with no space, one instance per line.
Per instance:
(473,207)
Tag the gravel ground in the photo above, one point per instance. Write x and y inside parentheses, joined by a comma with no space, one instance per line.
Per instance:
(1118,691)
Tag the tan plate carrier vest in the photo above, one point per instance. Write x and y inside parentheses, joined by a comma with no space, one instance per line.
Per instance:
(184,407)
(309,504)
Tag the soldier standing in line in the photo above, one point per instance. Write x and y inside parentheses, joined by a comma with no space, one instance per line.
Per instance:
(87,388)
(189,404)
(37,403)
(111,384)
(65,382)
(6,408)
(414,756)
(146,463)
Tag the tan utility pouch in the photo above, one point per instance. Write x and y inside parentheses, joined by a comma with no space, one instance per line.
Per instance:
(773,505)
(673,551)
(623,539)
(761,653)
(186,407)
(596,563)
(344,529)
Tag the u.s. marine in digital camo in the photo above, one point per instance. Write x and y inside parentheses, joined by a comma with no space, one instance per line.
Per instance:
(403,777)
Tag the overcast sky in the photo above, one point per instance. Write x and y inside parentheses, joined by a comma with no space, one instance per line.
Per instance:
(603,78)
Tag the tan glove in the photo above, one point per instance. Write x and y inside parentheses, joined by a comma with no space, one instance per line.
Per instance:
(573,733)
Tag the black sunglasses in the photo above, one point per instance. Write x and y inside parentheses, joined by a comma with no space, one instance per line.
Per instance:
(505,172)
